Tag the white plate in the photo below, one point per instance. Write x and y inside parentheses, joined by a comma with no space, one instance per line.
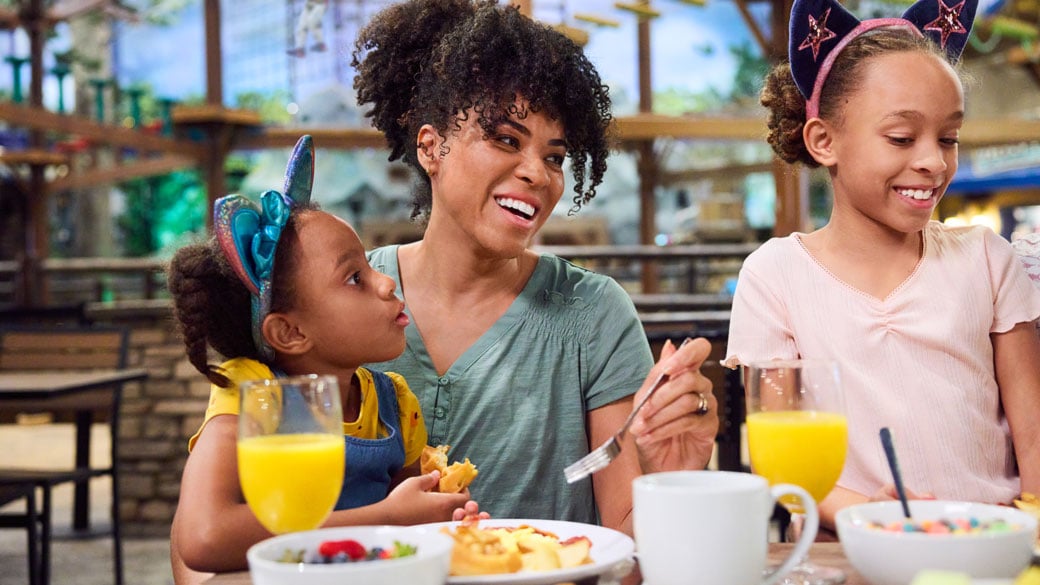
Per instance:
(609,549)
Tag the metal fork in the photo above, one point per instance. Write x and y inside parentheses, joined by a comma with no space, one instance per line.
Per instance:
(603,455)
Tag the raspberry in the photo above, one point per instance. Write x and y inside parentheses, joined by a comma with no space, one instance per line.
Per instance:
(352,548)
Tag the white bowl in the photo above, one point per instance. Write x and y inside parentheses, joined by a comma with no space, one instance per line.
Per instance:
(894,558)
(428,566)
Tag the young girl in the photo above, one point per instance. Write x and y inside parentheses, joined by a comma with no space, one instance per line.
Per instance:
(285,289)
(517,357)
(932,325)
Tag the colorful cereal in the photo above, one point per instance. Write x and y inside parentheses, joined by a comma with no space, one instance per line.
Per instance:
(955,526)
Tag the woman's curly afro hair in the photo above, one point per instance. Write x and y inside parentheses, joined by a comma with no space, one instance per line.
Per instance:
(426,61)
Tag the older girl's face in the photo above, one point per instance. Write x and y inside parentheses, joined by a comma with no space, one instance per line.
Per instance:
(495,191)
(895,149)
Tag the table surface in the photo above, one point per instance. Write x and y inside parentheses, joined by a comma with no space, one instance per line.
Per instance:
(828,554)
(39,384)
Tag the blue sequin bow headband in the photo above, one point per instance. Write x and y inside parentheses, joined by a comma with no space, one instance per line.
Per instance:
(820,29)
(248,233)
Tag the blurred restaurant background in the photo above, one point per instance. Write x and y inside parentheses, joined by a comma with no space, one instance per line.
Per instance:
(122,120)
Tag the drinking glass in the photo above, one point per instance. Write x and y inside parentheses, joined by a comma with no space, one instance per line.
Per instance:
(798,434)
(291,450)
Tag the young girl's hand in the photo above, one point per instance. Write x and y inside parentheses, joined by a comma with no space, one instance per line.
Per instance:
(413,502)
(470,510)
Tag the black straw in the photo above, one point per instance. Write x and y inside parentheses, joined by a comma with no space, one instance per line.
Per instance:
(893,464)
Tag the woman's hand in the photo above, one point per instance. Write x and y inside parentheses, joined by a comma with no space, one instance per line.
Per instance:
(414,502)
(671,431)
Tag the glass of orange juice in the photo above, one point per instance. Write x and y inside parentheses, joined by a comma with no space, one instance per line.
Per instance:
(798,434)
(291,450)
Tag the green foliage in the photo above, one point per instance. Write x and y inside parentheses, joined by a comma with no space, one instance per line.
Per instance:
(73,56)
(679,101)
(236,168)
(752,68)
(164,213)
(162,12)
(270,105)
(160,211)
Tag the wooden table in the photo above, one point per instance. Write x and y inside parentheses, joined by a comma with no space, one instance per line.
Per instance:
(827,554)
(81,393)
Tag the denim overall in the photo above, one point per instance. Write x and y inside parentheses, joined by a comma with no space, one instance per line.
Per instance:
(371,463)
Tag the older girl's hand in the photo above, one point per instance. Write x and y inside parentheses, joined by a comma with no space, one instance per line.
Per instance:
(673,431)
(888,492)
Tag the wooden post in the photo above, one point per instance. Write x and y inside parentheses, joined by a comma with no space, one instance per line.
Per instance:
(647,162)
(214,73)
(33,288)
(792,182)
(215,183)
(792,198)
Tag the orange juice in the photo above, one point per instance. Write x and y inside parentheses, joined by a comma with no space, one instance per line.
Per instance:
(806,448)
(291,482)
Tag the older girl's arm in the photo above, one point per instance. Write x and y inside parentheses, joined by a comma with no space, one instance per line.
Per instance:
(1016,357)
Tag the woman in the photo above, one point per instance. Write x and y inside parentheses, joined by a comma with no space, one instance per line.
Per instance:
(522,362)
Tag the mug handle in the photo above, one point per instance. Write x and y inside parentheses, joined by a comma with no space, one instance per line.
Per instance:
(808,536)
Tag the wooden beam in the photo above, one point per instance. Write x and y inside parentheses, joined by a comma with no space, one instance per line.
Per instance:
(214,114)
(130,169)
(976,132)
(9,18)
(101,134)
(650,126)
(524,6)
(31,157)
(756,31)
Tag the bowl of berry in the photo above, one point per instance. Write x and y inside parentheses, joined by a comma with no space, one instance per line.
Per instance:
(374,555)
(980,540)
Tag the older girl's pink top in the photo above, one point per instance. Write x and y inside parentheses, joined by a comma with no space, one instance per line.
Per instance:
(919,361)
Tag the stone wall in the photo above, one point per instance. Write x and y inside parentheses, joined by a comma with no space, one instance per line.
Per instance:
(158,415)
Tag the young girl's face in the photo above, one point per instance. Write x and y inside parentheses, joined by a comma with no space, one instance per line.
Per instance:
(497,191)
(895,150)
(342,304)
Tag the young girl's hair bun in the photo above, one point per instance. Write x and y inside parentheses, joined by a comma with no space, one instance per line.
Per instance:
(786,118)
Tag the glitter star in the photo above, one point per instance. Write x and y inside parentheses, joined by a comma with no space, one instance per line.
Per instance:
(818,33)
(949,22)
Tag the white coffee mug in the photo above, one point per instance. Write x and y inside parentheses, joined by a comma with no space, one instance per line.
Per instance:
(711,527)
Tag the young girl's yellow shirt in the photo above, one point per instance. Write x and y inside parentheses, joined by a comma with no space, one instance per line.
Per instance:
(413,428)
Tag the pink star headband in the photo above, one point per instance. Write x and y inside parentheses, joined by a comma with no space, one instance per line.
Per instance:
(820,29)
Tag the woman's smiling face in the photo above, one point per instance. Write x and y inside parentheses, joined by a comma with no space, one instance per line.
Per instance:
(497,189)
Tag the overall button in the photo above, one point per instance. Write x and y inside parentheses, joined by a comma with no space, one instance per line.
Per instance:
(440,412)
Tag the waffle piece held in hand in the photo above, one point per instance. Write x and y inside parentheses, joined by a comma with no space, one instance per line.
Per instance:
(455,477)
